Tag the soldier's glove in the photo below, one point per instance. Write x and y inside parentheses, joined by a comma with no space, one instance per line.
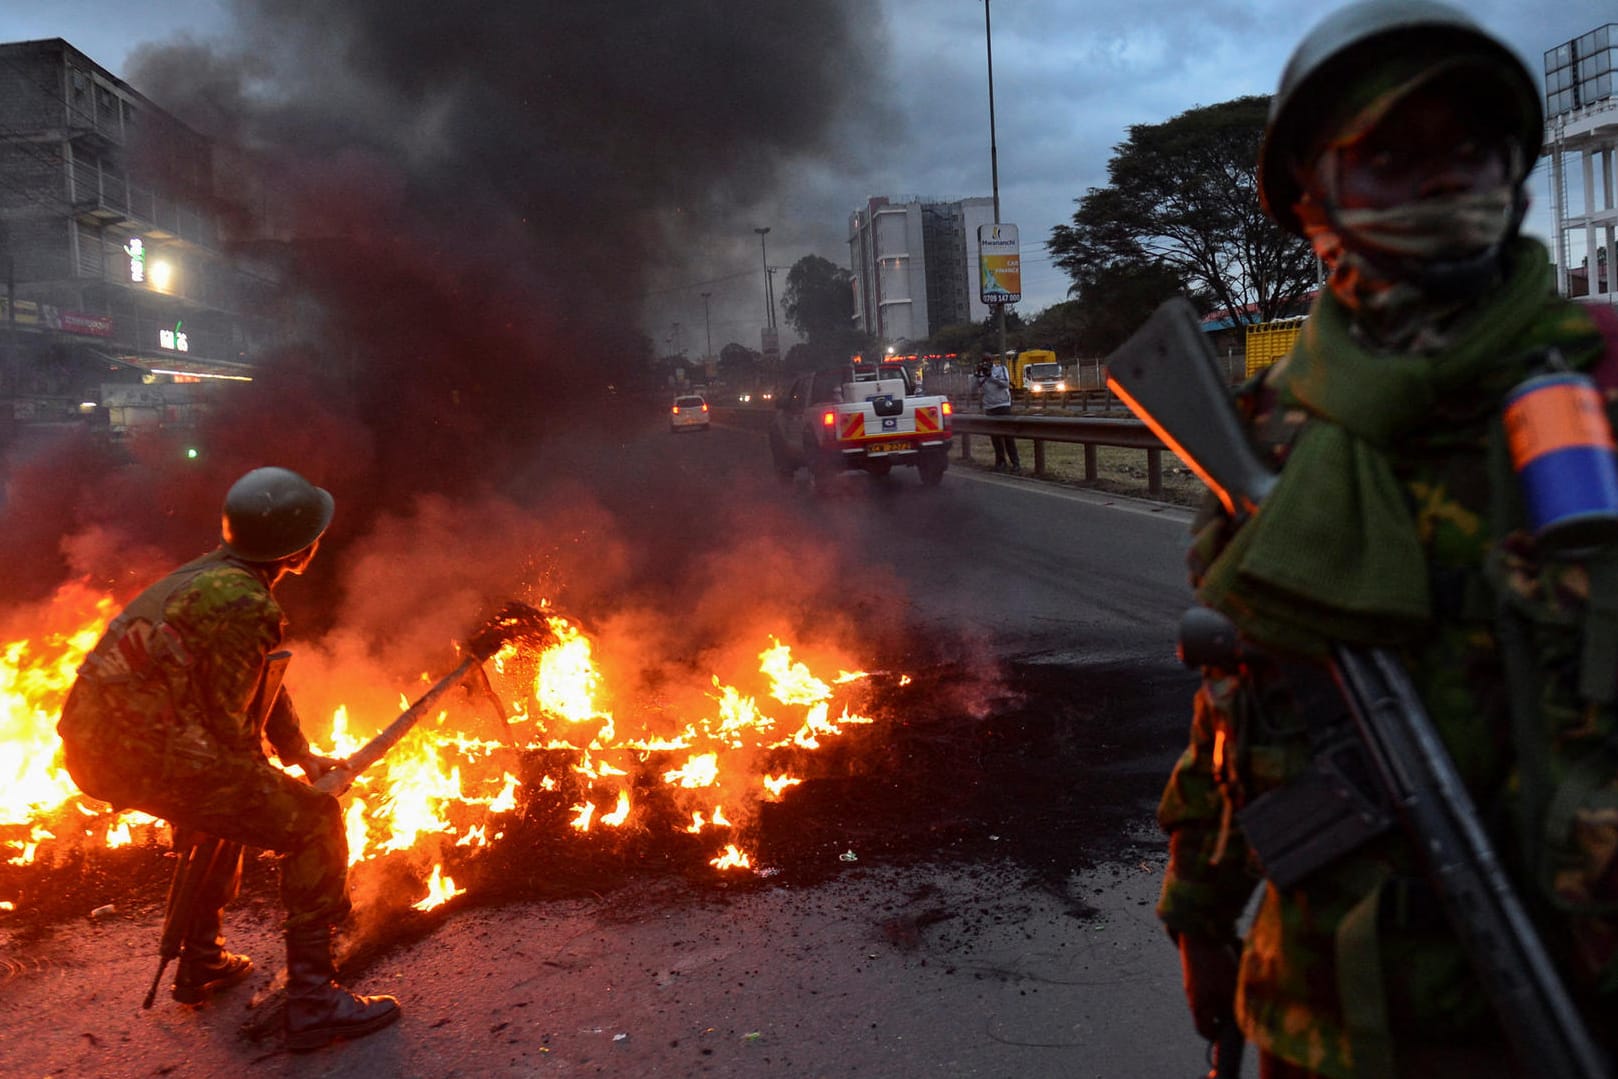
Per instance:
(314,765)
(1208,970)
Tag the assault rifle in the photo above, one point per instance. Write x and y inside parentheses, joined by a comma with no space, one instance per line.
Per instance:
(1168,376)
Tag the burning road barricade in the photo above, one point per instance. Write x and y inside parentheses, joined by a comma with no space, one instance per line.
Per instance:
(531,737)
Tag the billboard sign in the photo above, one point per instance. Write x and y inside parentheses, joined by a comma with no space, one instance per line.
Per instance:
(999,264)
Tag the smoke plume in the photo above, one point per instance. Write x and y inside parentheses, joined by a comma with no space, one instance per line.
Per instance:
(462,205)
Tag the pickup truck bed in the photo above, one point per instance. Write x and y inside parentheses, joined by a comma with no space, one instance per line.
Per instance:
(859,419)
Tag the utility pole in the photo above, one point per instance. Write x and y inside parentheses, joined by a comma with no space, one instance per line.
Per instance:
(994,170)
(707,327)
(769,300)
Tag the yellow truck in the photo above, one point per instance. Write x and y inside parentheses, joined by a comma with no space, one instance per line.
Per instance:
(1037,370)
(1268,341)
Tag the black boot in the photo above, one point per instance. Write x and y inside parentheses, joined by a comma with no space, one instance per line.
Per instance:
(206,968)
(319,1011)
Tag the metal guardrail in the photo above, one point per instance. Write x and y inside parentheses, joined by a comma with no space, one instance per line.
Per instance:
(1088,431)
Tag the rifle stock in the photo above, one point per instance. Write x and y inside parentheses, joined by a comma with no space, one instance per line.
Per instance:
(1166,375)
(199,856)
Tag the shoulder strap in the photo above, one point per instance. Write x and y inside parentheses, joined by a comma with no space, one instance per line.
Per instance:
(139,633)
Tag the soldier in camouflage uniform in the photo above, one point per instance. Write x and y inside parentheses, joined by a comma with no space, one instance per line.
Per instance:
(1399,144)
(169,716)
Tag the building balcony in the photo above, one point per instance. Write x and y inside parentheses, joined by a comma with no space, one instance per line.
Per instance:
(103,200)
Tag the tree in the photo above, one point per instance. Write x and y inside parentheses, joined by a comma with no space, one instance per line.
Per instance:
(1118,298)
(819,300)
(1182,200)
(1061,327)
(739,365)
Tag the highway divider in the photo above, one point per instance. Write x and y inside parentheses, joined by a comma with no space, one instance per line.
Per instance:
(1088,431)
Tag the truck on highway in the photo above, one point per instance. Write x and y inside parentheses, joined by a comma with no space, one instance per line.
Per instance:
(1035,366)
(859,417)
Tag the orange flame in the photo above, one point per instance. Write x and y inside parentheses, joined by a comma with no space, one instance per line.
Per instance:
(440,890)
(731,858)
(445,784)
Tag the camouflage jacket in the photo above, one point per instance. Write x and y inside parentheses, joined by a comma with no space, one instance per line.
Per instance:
(1248,738)
(186,660)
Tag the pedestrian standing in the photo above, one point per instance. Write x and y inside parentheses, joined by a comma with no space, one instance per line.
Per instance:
(994,386)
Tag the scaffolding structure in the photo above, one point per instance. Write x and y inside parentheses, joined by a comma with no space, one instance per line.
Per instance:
(1581,148)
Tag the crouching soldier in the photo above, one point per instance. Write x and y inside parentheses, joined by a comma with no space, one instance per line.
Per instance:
(169,716)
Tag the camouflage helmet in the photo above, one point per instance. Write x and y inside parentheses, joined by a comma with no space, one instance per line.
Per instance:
(1370,47)
(271,513)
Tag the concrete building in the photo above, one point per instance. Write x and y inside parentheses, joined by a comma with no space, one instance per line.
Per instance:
(914,262)
(1581,137)
(110,246)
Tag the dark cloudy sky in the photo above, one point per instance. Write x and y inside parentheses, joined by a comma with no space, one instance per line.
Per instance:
(1069,79)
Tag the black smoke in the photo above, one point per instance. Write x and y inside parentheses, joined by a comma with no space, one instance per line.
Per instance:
(463,204)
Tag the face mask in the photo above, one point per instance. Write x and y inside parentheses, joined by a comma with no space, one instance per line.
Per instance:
(1438,229)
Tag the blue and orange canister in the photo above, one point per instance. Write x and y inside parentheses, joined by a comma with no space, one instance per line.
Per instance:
(1562,448)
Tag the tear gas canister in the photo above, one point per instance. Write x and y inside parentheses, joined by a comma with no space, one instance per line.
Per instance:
(1562,448)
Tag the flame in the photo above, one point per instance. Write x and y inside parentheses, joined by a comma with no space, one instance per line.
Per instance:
(616,818)
(776,784)
(702,770)
(35,676)
(447,784)
(731,858)
(440,890)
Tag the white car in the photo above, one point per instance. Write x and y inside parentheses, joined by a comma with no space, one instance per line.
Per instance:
(690,410)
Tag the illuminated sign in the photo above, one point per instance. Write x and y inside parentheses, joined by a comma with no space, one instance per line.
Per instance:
(173,339)
(999,264)
(136,250)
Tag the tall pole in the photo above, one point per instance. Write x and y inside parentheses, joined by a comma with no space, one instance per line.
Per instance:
(764,253)
(707,327)
(994,170)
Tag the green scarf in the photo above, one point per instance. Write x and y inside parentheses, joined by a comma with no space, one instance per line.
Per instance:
(1333,555)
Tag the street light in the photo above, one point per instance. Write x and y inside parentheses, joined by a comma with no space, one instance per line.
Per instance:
(769,300)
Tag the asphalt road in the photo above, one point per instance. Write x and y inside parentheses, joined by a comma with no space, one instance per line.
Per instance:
(977,904)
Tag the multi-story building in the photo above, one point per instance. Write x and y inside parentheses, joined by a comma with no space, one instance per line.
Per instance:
(110,248)
(914,262)
(1581,137)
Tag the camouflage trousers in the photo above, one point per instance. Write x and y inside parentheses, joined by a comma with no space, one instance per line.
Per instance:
(236,796)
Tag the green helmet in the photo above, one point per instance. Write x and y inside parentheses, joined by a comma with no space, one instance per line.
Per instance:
(1366,48)
(271,513)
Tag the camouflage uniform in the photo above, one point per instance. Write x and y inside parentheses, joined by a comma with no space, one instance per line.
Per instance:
(163,718)
(1248,738)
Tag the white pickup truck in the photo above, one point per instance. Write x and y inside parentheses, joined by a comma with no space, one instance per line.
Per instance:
(865,417)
